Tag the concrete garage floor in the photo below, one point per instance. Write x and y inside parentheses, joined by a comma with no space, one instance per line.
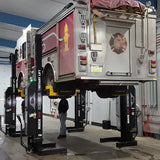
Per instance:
(82,146)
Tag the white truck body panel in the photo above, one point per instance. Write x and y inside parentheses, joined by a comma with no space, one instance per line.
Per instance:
(134,63)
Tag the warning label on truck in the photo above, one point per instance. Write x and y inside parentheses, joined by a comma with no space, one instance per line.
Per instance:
(96,68)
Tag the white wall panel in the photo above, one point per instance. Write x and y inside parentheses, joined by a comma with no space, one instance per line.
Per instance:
(71,110)
(103,109)
(5,74)
(50,107)
(151,94)
(46,105)
(158,59)
(98,108)
(158,8)
(18,105)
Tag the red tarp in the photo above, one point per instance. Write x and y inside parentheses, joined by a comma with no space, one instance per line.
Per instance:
(113,4)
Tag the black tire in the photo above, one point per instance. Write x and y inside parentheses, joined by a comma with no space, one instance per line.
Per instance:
(105,93)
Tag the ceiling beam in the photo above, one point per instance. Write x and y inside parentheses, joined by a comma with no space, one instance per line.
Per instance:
(6,50)
(11,28)
(7,43)
(10,32)
(5,53)
(4,63)
(18,20)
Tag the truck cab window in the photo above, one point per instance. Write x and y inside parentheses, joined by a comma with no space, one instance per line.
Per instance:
(23,50)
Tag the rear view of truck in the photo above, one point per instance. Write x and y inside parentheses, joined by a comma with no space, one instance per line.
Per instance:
(99,46)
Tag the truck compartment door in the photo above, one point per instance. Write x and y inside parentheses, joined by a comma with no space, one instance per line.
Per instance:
(67,46)
(118,51)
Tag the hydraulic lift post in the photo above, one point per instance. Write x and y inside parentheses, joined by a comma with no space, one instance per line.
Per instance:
(80,103)
(34,111)
(10,101)
(128,120)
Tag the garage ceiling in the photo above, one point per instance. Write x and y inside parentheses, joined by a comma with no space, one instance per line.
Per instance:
(15,15)
(41,10)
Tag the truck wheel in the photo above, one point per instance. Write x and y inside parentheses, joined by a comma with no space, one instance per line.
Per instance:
(105,93)
(66,89)
(102,94)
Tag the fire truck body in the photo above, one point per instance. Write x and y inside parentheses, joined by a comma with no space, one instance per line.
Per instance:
(118,49)
(82,50)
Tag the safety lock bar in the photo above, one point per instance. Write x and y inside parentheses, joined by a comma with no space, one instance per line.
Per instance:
(55,94)
(21,92)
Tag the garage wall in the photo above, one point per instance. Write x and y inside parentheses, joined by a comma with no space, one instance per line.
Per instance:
(150,97)
(98,109)
(5,72)
(158,8)
(50,107)
(158,56)
(5,76)
(103,109)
